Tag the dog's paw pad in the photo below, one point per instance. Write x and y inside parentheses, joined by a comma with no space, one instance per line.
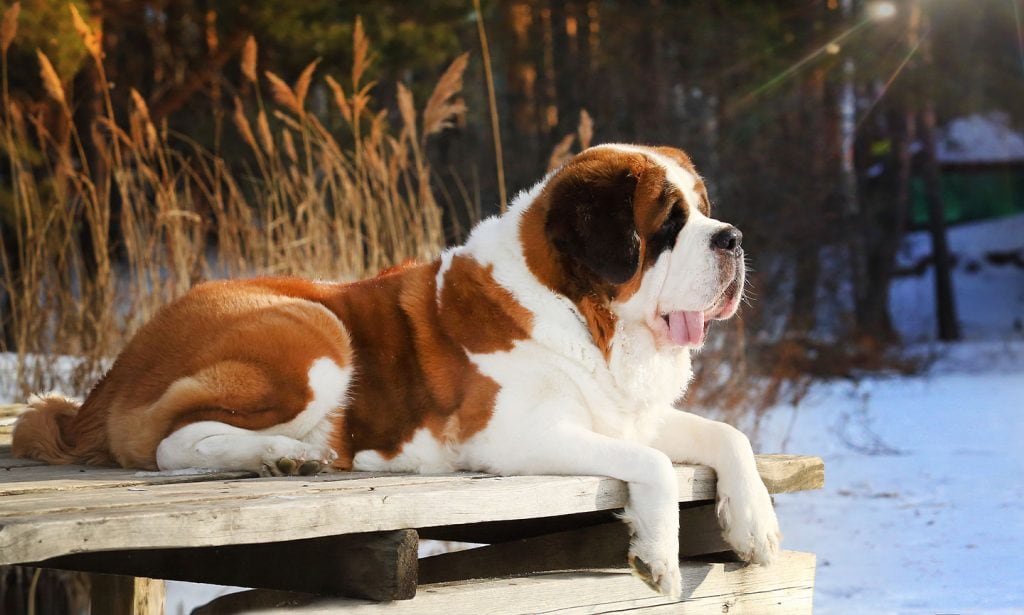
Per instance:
(310,468)
(286,465)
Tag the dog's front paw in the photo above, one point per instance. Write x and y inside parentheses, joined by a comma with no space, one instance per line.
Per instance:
(661,576)
(748,522)
(659,572)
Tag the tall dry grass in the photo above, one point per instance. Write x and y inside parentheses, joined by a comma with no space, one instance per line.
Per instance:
(98,238)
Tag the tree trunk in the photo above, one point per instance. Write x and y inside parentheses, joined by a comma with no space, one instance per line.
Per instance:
(945,302)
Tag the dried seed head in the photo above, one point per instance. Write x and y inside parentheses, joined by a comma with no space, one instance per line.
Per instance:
(50,80)
(92,42)
(248,63)
(140,103)
(407,109)
(9,27)
(302,84)
(242,124)
(586,129)
(361,58)
(561,152)
(339,98)
(440,108)
(283,94)
(263,128)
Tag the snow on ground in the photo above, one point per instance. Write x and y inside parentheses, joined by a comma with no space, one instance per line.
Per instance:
(921,510)
(924,475)
(989,296)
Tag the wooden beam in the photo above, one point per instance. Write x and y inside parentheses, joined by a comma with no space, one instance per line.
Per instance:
(780,474)
(491,532)
(374,566)
(36,525)
(596,546)
(785,588)
(791,473)
(125,595)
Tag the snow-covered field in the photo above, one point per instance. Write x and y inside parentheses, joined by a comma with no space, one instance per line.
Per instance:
(923,505)
(921,510)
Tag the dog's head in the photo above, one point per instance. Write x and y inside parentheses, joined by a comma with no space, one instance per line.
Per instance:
(631,227)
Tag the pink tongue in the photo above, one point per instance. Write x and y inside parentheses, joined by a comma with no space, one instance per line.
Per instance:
(686,328)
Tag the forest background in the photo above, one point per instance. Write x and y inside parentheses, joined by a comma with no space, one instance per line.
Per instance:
(148,145)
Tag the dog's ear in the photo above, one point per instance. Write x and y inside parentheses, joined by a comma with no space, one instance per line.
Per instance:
(590,220)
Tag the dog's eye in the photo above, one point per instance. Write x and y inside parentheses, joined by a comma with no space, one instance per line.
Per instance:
(674,221)
(665,237)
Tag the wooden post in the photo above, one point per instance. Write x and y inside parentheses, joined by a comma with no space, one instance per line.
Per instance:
(120,595)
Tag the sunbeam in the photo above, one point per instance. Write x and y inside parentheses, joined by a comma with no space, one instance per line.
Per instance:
(790,70)
(888,82)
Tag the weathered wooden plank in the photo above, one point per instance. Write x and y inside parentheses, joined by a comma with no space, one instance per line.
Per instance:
(786,588)
(42,525)
(791,473)
(8,463)
(34,478)
(12,410)
(178,487)
(375,566)
(597,546)
(33,495)
(8,416)
(126,595)
(272,518)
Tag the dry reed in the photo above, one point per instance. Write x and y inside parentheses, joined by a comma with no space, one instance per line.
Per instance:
(80,274)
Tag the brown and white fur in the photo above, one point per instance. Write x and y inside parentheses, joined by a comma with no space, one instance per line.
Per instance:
(555,341)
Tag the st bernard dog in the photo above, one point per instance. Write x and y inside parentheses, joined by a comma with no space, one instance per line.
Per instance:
(555,341)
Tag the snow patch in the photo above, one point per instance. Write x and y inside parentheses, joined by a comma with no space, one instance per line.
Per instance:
(921,507)
(989,297)
(979,139)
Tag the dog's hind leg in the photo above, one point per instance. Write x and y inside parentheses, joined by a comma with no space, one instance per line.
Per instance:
(216,445)
(259,440)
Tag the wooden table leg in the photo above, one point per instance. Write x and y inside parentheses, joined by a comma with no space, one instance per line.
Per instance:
(120,595)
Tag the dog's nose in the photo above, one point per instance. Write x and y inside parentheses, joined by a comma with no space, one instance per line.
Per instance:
(727,239)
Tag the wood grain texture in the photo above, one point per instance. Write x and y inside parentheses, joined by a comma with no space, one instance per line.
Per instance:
(791,473)
(784,588)
(54,514)
(8,415)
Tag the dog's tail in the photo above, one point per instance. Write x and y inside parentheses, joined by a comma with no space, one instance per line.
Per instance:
(56,429)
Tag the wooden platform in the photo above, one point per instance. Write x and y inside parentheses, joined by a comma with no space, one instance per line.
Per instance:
(360,533)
